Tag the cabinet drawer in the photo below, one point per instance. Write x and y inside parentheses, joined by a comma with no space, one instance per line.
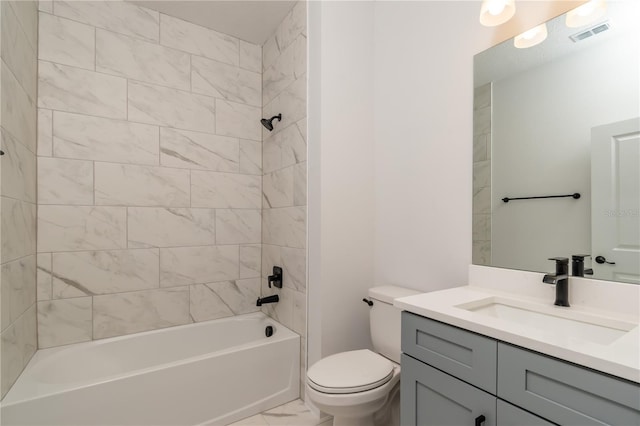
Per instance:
(463,354)
(565,393)
(510,415)
(433,398)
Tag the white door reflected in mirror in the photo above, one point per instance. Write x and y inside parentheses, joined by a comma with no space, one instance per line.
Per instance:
(615,197)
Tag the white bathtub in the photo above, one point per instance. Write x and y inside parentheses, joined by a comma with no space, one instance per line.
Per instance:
(210,373)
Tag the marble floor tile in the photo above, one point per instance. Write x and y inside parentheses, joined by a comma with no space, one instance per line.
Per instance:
(257,420)
(292,413)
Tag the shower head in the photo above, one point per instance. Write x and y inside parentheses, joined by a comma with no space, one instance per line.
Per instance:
(269,123)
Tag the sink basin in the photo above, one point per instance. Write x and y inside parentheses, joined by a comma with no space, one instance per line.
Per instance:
(565,322)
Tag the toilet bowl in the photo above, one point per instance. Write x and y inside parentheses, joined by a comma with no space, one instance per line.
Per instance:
(362,387)
(364,398)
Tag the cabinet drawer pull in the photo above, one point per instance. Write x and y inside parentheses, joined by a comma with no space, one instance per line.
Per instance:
(480,420)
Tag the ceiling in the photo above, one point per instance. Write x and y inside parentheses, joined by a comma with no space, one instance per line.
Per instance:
(249,20)
(504,60)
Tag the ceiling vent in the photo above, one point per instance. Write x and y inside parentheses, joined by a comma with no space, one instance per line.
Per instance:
(597,29)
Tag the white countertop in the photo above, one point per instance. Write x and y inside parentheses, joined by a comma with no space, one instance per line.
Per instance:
(620,358)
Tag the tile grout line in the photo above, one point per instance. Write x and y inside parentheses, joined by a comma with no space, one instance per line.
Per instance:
(140,123)
(154,84)
(147,165)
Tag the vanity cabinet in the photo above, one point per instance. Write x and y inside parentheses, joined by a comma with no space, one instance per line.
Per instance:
(431,397)
(452,376)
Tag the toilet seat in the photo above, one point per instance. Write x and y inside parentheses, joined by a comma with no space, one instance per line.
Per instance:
(350,372)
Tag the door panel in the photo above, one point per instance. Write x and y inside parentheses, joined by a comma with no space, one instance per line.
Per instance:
(615,195)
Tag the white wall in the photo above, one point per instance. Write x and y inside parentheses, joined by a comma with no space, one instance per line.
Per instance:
(424,90)
(341,194)
(423,132)
(390,149)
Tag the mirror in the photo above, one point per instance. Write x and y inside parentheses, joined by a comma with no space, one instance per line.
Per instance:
(560,118)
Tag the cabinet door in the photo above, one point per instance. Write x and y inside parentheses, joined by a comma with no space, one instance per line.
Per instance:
(564,393)
(510,415)
(431,397)
(468,356)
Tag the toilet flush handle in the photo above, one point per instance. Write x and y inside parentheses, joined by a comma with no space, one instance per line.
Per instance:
(368,302)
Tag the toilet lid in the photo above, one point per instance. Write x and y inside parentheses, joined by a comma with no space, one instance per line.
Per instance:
(350,372)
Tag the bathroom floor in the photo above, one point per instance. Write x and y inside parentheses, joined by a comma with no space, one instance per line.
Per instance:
(294,413)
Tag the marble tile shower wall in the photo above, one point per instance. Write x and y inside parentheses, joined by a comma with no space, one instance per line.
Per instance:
(284,196)
(481,227)
(18,77)
(149,172)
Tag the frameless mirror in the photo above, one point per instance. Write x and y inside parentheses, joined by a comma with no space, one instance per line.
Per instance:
(558,119)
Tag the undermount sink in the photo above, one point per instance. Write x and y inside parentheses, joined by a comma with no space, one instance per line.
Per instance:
(570,323)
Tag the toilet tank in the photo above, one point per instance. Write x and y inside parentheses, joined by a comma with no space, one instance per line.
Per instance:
(384,320)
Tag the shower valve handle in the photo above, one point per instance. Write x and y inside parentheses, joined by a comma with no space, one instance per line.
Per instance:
(276,278)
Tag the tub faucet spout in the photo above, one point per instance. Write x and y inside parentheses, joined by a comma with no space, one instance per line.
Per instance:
(268,299)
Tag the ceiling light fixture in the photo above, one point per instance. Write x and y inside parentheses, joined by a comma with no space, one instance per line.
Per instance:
(532,37)
(496,12)
(586,14)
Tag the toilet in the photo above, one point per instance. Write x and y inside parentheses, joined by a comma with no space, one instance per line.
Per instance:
(361,387)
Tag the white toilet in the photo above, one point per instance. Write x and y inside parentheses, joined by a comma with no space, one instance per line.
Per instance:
(361,387)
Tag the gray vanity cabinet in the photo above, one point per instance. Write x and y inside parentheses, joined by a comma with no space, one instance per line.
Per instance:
(465,355)
(563,392)
(431,397)
(452,376)
(510,415)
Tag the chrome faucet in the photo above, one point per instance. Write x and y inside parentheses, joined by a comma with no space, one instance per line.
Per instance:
(561,280)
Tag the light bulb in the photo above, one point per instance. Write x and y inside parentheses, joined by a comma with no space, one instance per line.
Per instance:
(586,9)
(531,37)
(586,14)
(496,7)
(530,34)
(496,12)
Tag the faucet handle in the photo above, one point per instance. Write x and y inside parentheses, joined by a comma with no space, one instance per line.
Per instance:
(579,257)
(562,265)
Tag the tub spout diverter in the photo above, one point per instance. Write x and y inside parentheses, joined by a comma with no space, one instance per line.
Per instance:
(268,299)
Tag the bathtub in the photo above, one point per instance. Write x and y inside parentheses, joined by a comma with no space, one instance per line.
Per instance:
(209,373)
